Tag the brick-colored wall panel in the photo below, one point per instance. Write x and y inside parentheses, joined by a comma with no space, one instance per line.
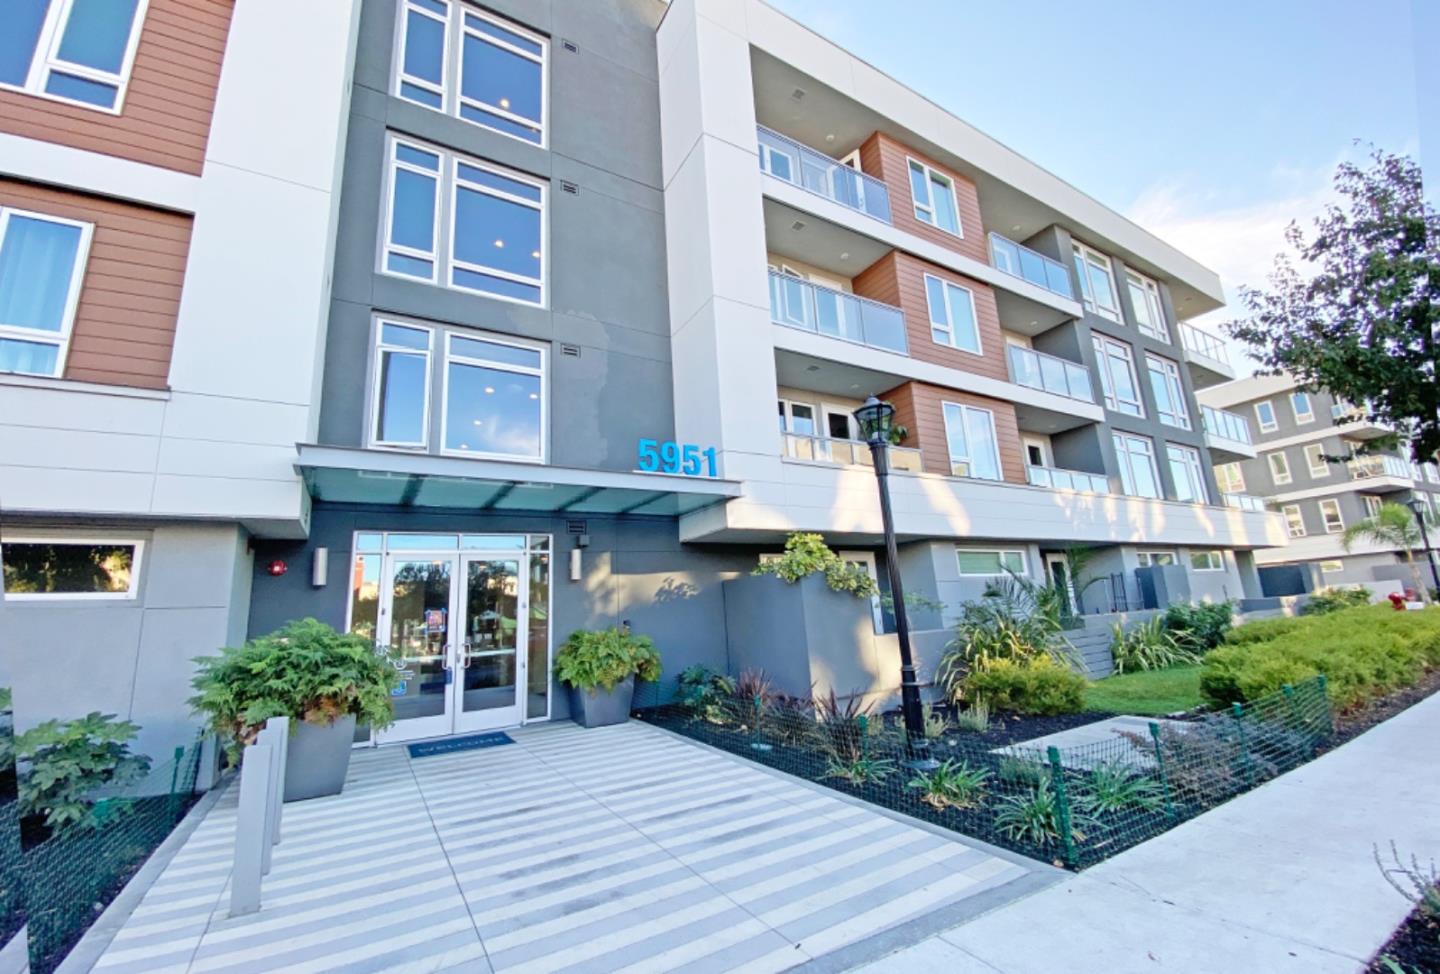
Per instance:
(130,296)
(885,159)
(165,117)
(919,407)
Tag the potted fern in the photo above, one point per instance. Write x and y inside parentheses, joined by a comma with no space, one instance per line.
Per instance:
(323,680)
(600,670)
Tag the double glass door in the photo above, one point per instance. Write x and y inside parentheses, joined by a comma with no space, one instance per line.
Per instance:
(467,630)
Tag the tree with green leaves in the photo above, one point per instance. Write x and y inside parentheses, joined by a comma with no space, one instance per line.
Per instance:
(1358,314)
(1393,526)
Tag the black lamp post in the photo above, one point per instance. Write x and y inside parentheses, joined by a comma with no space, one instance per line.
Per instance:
(1418,509)
(876,420)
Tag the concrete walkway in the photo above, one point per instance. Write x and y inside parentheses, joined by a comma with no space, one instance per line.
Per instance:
(618,849)
(1280,879)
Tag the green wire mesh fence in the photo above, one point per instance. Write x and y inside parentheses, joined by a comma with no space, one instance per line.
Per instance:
(1074,805)
(71,875)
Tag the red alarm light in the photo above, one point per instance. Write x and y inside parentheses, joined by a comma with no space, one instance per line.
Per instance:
(276,568)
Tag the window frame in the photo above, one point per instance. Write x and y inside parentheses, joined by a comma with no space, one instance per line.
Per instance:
(1260,423)
(1169,376)
(1100,343)
(45,59)
(1123,458)
(448,336)
(994,434)
(1214,560)
(1373,503)
(949,327)
(1338,527)
(1146,558)
(1338,563)
(452,66)
(1150,293)
(929,204)
(1087,256)
(377,347)
(1275,477)
(1307,417)
(1295,528)
(60,339)
(1319,453)
(1190,460)
(999,554)
(136,565)
(1232,480)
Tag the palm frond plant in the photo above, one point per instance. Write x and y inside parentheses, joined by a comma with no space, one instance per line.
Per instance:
(1016,619)
(1149,646)
(1392,526)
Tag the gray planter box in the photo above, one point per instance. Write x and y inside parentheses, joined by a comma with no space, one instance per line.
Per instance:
(317,758)
(596,708)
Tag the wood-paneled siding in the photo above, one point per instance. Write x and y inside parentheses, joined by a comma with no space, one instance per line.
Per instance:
(165,117)
(130,295)
(885,159)
(918,407)
(899,279)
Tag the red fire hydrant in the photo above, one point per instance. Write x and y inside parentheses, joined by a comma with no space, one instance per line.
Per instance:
(1397,600)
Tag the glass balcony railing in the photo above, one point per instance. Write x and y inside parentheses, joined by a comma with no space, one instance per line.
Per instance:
(1079,480)
(1225,424)
(1380,465)
(1036,370)
(1201,342)
(799,164)
(849,453)
(1020,261)
(800,304)
(1245,502)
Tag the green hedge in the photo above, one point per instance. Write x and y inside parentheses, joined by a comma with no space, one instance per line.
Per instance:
(1362,653)
(1041,685)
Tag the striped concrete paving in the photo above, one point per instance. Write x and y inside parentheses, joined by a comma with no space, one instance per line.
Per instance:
(607,850)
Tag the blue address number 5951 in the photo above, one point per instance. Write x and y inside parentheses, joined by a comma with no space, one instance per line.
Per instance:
(671,457)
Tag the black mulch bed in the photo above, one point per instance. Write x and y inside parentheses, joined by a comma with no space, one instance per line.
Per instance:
(1007,728)
(1415,947)
(1358,720)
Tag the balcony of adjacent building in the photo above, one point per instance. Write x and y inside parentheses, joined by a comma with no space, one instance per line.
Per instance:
(1355,423)
(1207,356)
(1381,473)
(1227,435)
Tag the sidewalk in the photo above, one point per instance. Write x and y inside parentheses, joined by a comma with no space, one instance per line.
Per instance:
(1280,879)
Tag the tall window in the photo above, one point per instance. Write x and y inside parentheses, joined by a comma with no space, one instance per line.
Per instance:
(1185,469)
(464,224)
(1294,520)
(78,51)
(1279,467)
(952,314)
(465,62)
(42,261)
(1330,514)
(1169,393)
(1136,457)
(1230,478)
(1315,460)
(494,399)
(401,390)
(974,450)
(1149,311)
(1117,375)
(39,568)
(1304,410)
(1265,415)
(1373,503)
(934,196)
(1097,281)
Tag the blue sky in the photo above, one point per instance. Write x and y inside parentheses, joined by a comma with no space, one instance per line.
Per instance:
(1211,123)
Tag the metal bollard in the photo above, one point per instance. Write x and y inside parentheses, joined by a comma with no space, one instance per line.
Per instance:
(252,840)
(282,725)
(270,737)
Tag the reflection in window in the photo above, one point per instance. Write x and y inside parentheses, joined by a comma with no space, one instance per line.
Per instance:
(1117,375)
(1136,457)
(494,399)
(1186,472)
(1149,310)
(952,314)
(37,568)
(365,596)
(934,197)
(402,385)
(973,562)
(1169,393)
(1097,282)
(970,433)
(78,51)
(42,261)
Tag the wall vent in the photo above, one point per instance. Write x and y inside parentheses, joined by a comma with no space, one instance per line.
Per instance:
(572,350)
(569,46)
(569,187)
(798,225)
(798,94)
(575,526)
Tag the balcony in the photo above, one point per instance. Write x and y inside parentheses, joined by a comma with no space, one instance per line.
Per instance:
(1227,435)
(1048,373)
(847,453)
(1020,261)
(797,303)
(804,167)
(1245,502)
(1207,355)
(1383,472)
(1076,480)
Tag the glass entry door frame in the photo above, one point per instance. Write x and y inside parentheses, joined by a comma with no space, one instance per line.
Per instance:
(473,656)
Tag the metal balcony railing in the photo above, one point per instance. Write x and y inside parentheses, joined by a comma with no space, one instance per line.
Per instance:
(786,159)
(1245,502)
(1380,465)
(849,453)
(1223,423)
(1020,261)
(798,303)
(1058,479)
(1201,342)
(1037,370)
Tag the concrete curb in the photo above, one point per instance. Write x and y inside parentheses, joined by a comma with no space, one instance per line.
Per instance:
(92,945)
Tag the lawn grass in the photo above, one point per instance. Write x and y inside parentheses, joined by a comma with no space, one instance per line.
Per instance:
(1147,692)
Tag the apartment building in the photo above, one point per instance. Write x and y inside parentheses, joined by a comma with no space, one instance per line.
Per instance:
(538,316)
(1297,433)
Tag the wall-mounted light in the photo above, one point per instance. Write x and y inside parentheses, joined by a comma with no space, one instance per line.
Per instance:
(320,567)
(577,568)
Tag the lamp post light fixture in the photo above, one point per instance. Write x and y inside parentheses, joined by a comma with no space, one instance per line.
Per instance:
(1418,508)
(877,420)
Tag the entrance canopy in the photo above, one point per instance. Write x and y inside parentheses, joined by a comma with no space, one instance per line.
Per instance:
(356,476)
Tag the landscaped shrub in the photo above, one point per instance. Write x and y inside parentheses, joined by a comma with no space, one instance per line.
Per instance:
(66,762)
(1199,627)
(1262,630)
(1330,600)
(605,658)
(806,554)
(1147,646)
(1017,619)
(1362,653)
(1042,685)
(705,692)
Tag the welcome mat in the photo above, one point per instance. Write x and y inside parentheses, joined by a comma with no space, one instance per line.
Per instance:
(450,745)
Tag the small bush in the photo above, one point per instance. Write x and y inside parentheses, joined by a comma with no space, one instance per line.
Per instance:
(1017,619)
(67,762)
(1147,646)
(806,554)
(1117,785)
(953,784)
(975,718)
(1038,686)
(1262,630)
(603,659)
(1199,628)
(704,692)
(1330,600)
